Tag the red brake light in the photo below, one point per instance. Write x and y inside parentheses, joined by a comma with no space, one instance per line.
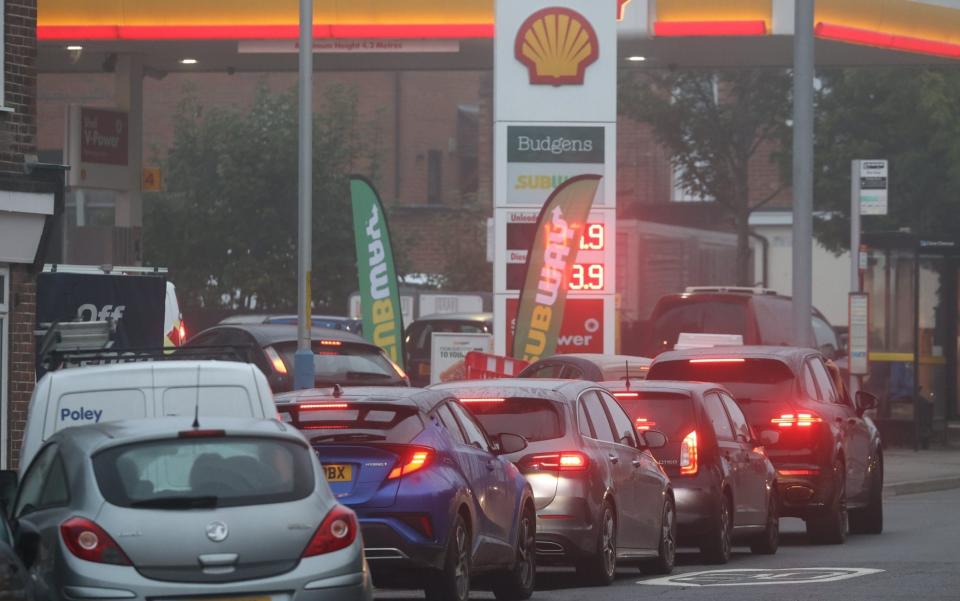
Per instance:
(718,360)
(415,459)
(88,541)
(330,343)
(478,400)
(571,461)
(337,531)
(321,406)
(689,460)
(800,420)
(627,395)
(643,424)
(812,472)
(182,330)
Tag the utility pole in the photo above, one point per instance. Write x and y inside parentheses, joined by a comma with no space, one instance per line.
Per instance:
(303,368)
(803,74)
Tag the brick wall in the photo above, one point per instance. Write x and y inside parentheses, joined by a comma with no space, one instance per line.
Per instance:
(18,131)
(23,306)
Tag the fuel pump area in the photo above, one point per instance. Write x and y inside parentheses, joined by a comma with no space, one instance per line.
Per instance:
(551,115)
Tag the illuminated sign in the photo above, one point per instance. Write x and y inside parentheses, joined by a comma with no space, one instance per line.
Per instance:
(557,45)
(587,275)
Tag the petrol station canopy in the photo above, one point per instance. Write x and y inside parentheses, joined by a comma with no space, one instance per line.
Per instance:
(253,35)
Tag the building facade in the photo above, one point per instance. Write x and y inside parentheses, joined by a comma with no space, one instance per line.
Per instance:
(28,195)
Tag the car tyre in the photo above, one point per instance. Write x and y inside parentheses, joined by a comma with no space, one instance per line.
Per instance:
(869,519)
(830,527)
(667,549)
(768,541)
(600,569)
(517,583)
(718,545)
(453,583)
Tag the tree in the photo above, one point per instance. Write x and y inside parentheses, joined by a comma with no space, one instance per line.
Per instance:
(716,124)
(908,115)
(226,225)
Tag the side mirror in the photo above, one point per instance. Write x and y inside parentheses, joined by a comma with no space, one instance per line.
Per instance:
(8,490)
(654,439)
(511,443)
(866,401)
(26,542)
(769,437)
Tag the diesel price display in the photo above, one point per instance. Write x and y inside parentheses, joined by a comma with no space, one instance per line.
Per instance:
(587,275)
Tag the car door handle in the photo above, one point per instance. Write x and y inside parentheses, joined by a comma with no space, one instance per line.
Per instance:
(613,458)
(636,463)
(492,464)
(212,560)
(852,421)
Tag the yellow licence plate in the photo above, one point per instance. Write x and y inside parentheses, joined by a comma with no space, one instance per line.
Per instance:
(338,473)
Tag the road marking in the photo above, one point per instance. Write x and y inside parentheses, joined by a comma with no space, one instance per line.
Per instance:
(757,577)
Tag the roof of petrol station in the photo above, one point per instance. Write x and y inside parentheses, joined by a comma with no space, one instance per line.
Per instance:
(253,35)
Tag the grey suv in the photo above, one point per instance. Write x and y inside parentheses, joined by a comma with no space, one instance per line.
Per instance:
(600,496)
(148,509)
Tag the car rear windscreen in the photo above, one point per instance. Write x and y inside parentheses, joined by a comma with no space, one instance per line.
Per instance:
(339,421)
(195,473)
(750,380)
(696,317)
(336,362)
(534,419)
(667,412)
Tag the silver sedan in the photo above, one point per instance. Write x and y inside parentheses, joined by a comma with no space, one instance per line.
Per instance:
(165,509)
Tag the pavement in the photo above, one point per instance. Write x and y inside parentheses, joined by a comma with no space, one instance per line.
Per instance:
(911,472)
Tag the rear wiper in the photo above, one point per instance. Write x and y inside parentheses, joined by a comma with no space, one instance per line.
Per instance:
(200,502)
(348,436)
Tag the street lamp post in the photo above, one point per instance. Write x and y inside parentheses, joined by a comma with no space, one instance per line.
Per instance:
(803,74)
(303,368)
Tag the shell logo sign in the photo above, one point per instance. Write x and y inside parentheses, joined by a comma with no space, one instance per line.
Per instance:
(557,45)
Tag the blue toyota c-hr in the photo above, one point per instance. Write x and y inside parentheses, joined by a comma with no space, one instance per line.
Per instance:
(437,502)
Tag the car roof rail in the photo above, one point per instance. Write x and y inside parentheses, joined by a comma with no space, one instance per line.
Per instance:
(730,289)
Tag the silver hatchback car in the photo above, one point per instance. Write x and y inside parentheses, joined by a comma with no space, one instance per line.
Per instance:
(159,509)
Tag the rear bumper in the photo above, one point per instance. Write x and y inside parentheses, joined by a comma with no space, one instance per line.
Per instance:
(698,503)
(566,531)
(801,496)
(340,575)
(393,550)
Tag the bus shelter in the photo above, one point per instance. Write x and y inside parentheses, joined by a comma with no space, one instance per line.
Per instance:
(913,334)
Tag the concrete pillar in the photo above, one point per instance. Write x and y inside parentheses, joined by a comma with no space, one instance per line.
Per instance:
(129,97)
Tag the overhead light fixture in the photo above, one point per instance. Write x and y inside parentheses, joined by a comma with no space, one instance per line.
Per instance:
(188,61)
(74,48)
(636,59)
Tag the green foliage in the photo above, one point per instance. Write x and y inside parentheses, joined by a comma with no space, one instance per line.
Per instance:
(908,115)
(714,124)
(226,225)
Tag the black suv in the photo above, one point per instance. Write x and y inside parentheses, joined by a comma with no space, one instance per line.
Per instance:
(828,458)
(724,483)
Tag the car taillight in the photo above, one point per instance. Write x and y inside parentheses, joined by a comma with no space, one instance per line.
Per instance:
(182,331)
(800,420)
(276,360)
(627,395)
(571,461)
(643,424)
(689,460)
(411,460)
(338,530)
(419,522)
(88,541)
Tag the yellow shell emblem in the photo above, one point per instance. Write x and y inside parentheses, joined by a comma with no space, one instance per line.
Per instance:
(557,45)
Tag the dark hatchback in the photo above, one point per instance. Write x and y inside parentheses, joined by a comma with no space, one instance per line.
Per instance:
(339,357)
(829,458)
(723,481)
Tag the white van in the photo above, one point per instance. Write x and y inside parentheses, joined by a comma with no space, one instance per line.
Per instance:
(87,395)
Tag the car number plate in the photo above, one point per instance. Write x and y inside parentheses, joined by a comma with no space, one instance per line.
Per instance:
(338,472)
